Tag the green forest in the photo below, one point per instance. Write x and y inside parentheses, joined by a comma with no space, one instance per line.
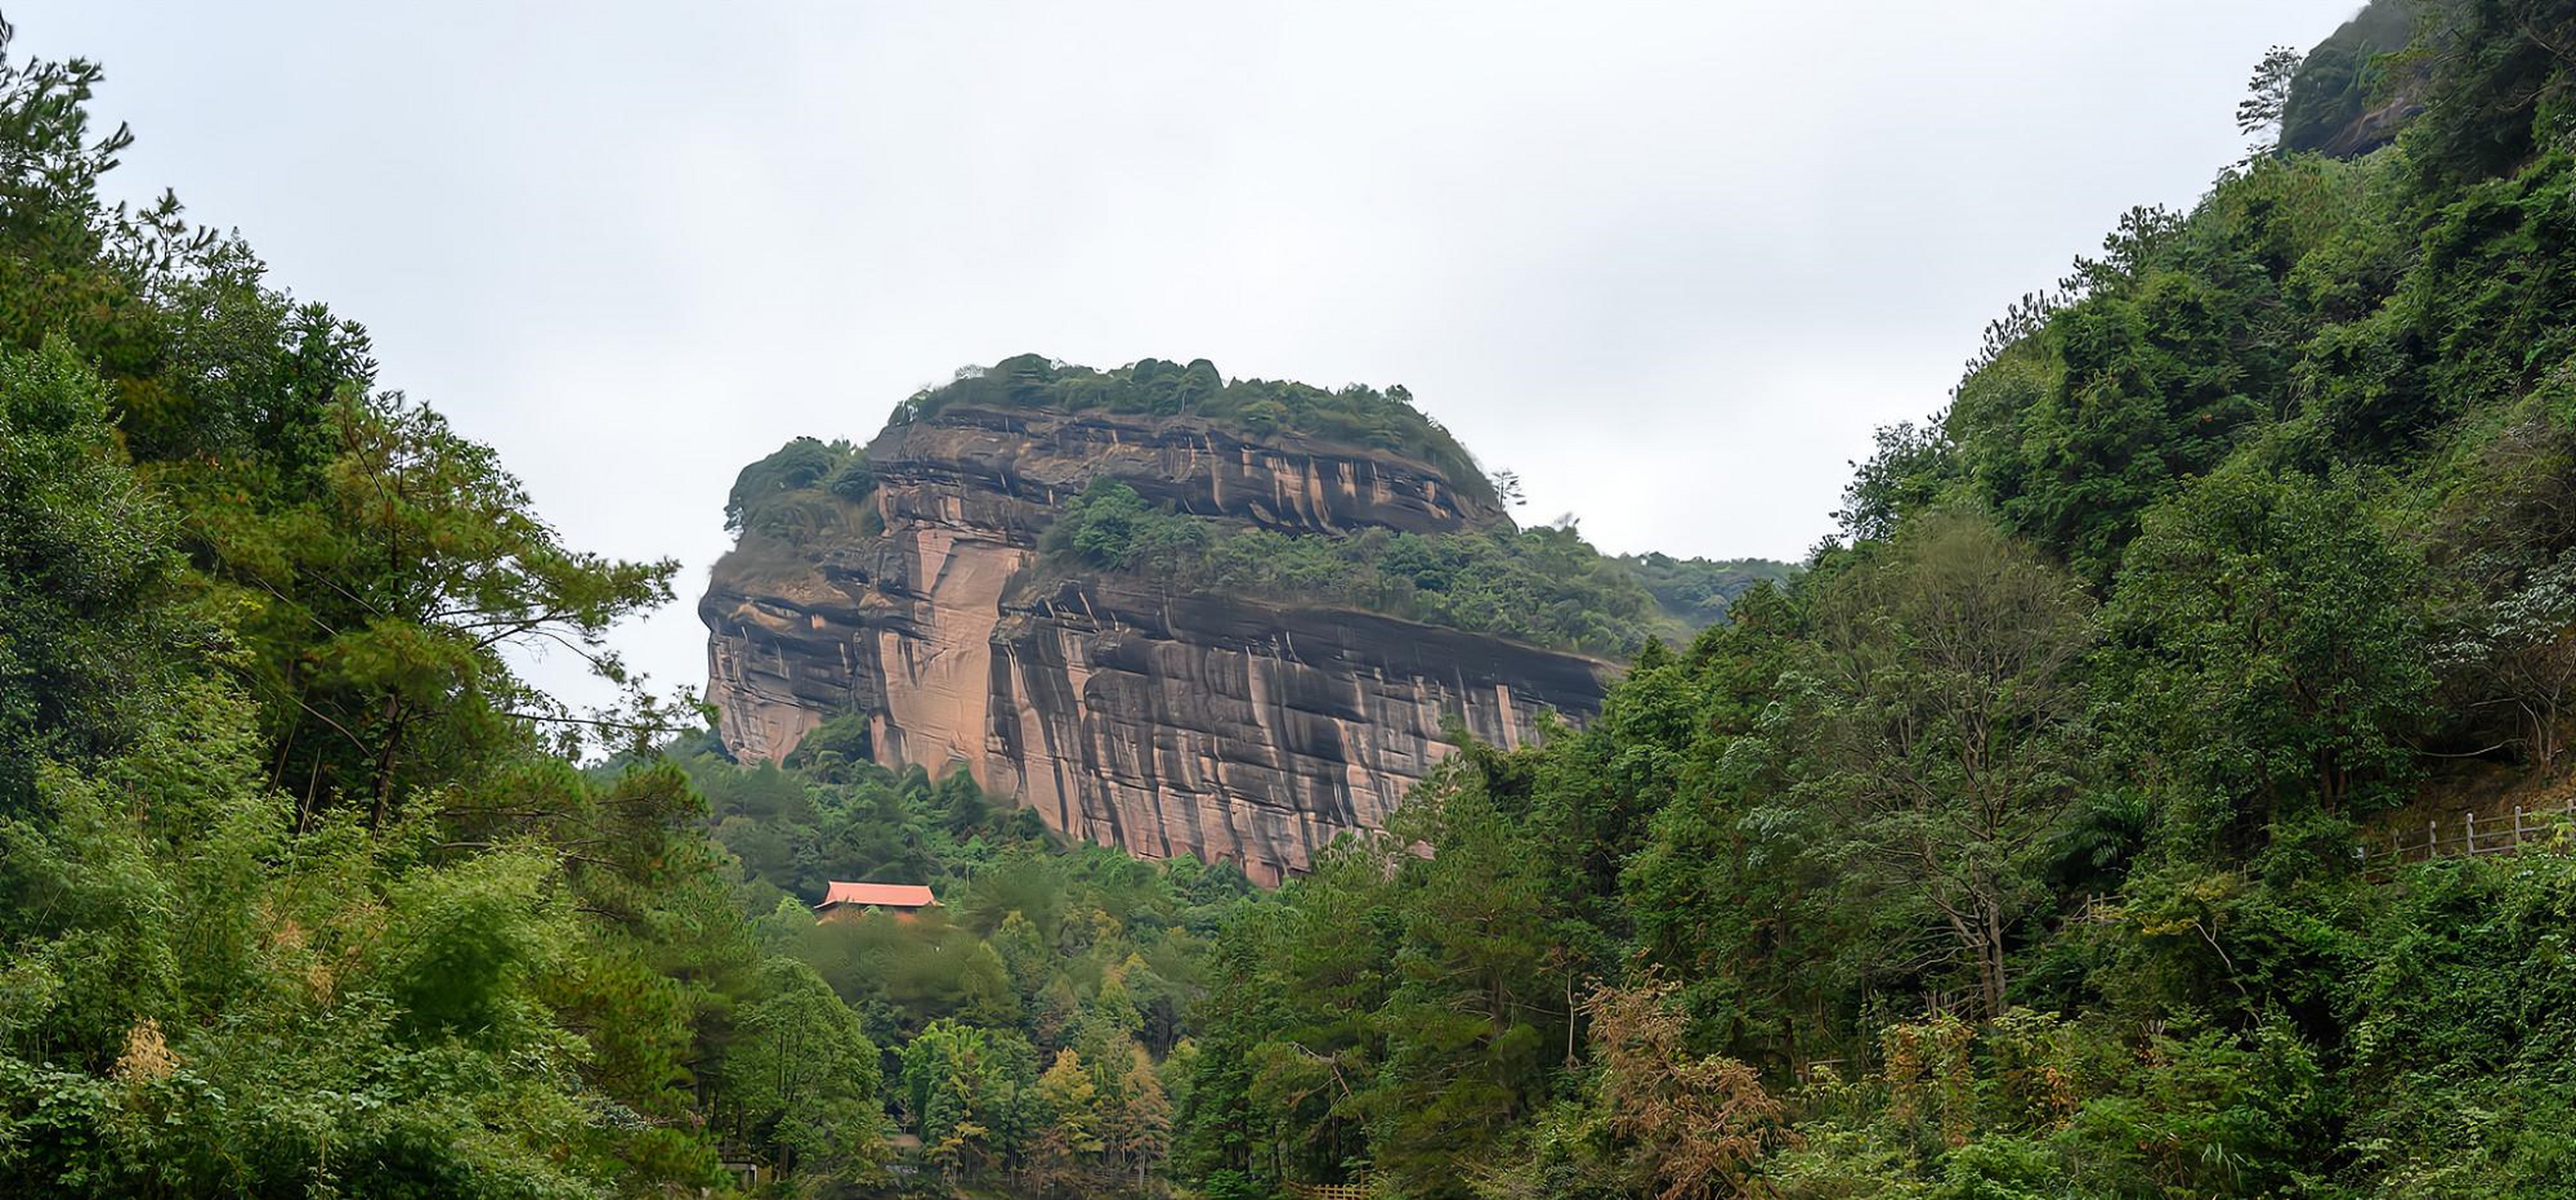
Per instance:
(2056,832)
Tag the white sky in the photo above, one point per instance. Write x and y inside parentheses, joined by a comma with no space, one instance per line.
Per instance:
(1671,263)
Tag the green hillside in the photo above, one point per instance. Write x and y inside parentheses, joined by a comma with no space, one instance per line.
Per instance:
(2034,842)
(1696,591)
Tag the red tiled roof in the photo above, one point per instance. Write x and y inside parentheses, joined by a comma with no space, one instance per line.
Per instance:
(882,895)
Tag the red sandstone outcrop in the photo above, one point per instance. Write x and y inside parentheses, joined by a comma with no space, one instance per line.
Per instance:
(1217,726)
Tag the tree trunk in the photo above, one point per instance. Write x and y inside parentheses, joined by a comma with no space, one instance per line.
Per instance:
(385,759)
(1990,965)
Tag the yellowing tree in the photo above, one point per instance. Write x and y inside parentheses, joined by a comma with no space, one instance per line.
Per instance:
(1139,1128)
(1070,1103)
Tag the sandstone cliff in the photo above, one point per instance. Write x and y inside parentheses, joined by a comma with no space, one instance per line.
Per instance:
(1169,724)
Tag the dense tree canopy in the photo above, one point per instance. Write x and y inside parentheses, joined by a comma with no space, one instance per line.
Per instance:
(298,894)
(2035,840)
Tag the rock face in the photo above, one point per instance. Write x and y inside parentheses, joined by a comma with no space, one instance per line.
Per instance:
(1219,727)
(2340,103)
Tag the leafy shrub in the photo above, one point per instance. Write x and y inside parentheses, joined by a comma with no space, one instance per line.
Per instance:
(1545,586)
(777,495)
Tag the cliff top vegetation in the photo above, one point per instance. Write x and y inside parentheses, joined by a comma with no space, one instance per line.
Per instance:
(1355,415)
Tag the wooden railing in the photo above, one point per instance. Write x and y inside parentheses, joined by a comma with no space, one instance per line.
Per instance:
(2099,909)
(1328,1191)
(2471,835)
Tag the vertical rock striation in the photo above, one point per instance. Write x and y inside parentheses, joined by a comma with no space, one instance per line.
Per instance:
(1220,727)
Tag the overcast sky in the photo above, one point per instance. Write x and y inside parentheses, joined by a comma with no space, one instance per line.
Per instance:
(1670,263)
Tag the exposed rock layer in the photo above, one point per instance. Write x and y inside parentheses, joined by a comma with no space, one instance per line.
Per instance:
(1220,727)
